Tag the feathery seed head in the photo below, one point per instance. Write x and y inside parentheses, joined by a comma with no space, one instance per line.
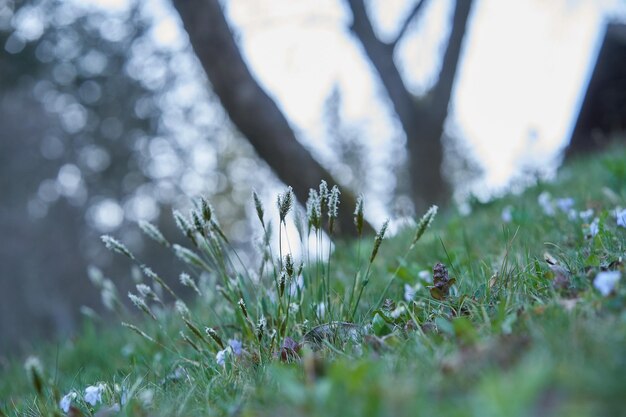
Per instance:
(188,256)
(198,222)
(213,335)
(183,225)
(116,246)
(182,309)
(333,202)
(153,232)
(358,215)
(285,202)
(259,207)
(34,371)
(187,281)
(324,195)
(144,290)
(242,306)
(289,268)
(138,331)
(207,210)
(260,328)
(424,223)
(140,303)
(314,210)
(379,239)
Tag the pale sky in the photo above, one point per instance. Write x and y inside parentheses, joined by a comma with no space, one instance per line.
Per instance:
(518,89)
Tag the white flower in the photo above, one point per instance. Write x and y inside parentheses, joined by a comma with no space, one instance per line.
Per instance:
(397,312)
(321,310)
(605,281)
(565,204)
(409,292)
(594,227)
(586,214)
(294,308)
(236,346)
(146,397)
(220,358)
(507,214)
(620,216)
(545,201)
(572,214)
(93,394)
(66,402)
(425,275)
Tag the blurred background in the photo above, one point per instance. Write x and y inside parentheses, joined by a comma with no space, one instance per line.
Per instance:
(114,111)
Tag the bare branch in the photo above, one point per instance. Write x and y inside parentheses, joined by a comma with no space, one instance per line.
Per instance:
(407,21)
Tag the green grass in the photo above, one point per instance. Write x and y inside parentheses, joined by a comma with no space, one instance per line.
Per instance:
(508,340)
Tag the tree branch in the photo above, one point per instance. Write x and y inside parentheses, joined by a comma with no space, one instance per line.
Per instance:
(380,55)
(407,21)
(442,91)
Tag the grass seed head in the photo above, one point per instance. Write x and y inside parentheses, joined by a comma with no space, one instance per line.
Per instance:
(424,223)
(358,215)
(116,246)
(379,239)
(285,203)
(258,205)
(207,210)
(314,210)
(153,232)
(184,226)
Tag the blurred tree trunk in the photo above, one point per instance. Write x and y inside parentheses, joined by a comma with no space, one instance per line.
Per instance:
(251,109)
(258,117)
(422,119)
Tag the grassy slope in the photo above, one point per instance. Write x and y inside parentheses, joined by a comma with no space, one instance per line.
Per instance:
(505,343)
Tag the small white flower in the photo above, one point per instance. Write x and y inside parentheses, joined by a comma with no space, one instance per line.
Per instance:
(572,215)
(620,216)
(146,397)
(425,275)
(236,346)
(182,309)
(397,312)
(545,201)
(66,401)
(409,292)
(220,358)
(586,214)
(594,227)
(294,308)
(321,310)
(93,394)
(605,281)
(507,214)
(565,204)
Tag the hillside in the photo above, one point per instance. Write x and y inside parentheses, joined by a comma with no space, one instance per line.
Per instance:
(525,317)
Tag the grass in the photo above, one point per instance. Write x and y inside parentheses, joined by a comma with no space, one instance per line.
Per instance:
(520,332)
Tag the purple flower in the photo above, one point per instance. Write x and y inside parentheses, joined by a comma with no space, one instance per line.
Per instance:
(220,358)
(236,346)
(93,394)
(66,402)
